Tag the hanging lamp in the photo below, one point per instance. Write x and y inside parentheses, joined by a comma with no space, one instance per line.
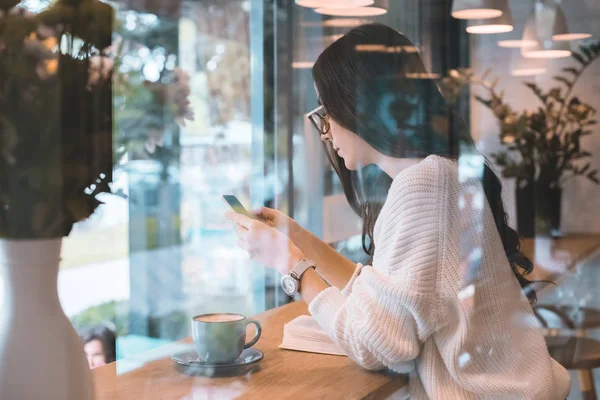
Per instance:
(560,30)
(539,29)
(516,43)
(521,66)
(333,3)
(477,9)
(501,24)
(379,7)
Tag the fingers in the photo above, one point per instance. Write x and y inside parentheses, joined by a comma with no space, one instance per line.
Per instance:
(241,231)
(273,216)
(255,212)
(252,234)
(239,219)
(242,244)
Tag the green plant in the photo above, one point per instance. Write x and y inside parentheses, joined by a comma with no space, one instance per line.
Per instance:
(542,147)
(55,116)
(149,111)
(116,312)
(173,326)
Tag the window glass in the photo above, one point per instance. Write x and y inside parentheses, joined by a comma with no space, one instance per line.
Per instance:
(211,98)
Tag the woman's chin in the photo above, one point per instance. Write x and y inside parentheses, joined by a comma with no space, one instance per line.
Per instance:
(350,165)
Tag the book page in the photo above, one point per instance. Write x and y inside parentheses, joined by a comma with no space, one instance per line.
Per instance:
(304,334)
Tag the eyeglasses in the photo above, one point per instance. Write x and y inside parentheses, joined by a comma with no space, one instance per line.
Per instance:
(320,121)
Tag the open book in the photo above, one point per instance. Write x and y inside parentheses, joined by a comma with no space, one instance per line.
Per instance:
(305,334)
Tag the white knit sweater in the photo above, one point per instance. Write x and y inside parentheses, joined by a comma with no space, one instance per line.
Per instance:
(441,301)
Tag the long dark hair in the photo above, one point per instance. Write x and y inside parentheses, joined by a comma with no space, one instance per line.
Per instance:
(372,82)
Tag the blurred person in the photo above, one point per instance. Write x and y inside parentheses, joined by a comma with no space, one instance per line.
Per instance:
(100,345)
(445,296)
(153,148)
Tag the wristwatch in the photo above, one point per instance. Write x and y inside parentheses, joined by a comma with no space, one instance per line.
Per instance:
(291,283)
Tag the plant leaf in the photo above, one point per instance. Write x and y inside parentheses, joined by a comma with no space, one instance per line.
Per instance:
(582,154)
(487,103)
(485,74)
(555,93)
(571,70)
(536,89)
(586,50)
(563,80)
(578,57)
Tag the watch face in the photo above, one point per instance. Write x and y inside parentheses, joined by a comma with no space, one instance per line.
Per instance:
(289,285)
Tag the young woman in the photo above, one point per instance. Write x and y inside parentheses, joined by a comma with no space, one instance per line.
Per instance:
(444,297)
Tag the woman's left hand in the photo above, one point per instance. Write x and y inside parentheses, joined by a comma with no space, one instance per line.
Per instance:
(265,244)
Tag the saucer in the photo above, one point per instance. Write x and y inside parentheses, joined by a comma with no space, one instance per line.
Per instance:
(192,365)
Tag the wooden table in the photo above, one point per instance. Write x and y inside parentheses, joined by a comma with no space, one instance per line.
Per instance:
(286,374)
(283,374)
(571,249)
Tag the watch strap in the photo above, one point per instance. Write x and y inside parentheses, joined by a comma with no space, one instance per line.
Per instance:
(301,268)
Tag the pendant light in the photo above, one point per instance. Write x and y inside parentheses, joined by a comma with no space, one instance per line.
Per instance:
(379,7)
(560,31)
(516,43)
(501,24)
(477,9)
(302,64)
(333,3)
(345,22)
(521,66)
(539,29)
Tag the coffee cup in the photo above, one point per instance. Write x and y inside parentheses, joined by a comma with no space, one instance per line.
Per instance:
(220,338)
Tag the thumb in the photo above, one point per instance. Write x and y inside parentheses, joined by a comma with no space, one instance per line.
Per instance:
(255,212)
(269,212)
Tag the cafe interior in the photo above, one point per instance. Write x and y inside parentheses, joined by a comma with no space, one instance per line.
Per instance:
(123,123)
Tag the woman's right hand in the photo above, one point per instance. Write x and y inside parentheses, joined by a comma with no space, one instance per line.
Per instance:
(277,219)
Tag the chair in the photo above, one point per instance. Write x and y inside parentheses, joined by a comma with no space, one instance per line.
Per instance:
(568,317)
(574,352)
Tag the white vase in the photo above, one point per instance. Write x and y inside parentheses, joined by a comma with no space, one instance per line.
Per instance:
(41,355)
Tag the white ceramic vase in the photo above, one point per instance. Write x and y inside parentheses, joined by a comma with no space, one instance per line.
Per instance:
(41,355)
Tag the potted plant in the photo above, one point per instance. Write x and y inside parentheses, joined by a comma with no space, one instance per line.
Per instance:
(55,158)
(541,147)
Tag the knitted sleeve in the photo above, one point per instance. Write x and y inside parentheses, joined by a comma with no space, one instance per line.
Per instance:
(391,307)
(348,289)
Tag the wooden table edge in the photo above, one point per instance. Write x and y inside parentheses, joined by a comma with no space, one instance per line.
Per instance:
(120,384)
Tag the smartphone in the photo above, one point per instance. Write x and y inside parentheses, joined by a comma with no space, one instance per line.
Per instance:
(236,206)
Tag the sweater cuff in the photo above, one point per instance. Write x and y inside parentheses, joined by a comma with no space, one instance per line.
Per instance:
(325,307)
(348,288)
